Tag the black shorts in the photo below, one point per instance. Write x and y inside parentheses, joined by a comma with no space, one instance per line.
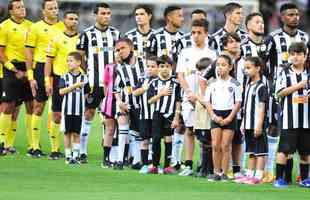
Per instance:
(56,98)
(292,140)
(238,136)
(161,126)
(0,90)
(257,146)
(95,98)
(204,136)
(73,124)
(39,77)
(134,119)
(224,113)
(14,89)
(145,129)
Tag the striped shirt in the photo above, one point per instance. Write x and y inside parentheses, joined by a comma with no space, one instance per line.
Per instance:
(126,81)
(146,109)
(73,102)
(99,48)
(140,41)
(295,106)
(216,41)
(162,42)
(255,94)
(166,105)
(280,43)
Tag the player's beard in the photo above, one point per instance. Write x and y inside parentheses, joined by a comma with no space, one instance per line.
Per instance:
(293,26)
(258,33)
(127,60)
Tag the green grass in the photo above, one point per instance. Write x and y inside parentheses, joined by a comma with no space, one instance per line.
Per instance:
(24,178)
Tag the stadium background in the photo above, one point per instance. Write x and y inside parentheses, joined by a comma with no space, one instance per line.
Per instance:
(25,178)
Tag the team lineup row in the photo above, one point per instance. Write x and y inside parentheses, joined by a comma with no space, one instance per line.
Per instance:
(153,84)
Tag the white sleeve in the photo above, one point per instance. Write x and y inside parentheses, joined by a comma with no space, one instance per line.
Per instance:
(238,93)
(180,64)
(280,82)
(207,96)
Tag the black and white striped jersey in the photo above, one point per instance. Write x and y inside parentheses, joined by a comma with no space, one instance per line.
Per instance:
(280,43)
(140,41)
(254,95)
(162,42)
(146,109)
(74,102)
(127,79)
(216,40)
(166,105)
(99,48)
(295,106)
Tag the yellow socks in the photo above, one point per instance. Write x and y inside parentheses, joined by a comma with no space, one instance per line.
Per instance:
(35,132)
(54,136)
(11,135)
(5,124)
(28,130)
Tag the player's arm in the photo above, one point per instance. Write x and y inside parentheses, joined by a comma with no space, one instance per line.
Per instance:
(82,46)
(3,58)
(51,52)
(263,99)
(142,87)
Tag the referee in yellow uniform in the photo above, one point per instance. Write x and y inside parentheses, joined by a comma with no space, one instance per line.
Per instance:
(37,41)
(15,87)
(56,66)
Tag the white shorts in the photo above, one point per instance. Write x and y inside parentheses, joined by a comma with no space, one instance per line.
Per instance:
(188,117)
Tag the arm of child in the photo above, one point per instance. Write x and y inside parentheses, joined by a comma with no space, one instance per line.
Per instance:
(176,119)
(70,88)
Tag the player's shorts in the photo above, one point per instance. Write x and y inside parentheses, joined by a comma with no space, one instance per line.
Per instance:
(238,136)
(14,89)
(224,113)
(56,98)
(188,117)
(109,108)
(73,124)
(145,129)
(0,90)
(95,98)
(204,136)
(292,140)
(161,126)
(257,146)
(134,119)
(41,95)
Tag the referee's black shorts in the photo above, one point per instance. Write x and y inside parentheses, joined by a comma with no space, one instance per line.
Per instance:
(14,89)
(56,98)
(39,77)
(292,140)
(95,98)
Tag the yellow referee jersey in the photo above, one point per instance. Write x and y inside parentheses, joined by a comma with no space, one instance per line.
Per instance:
(58,49)
(12,37)
(39,36)
(1,71)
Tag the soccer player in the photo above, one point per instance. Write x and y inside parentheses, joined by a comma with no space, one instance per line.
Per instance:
(73,86)
(281,40)
(146,109)
(233,19)
(15,87)
(56,66)
(129,71)
(163,40)
(292,87)
(254,121)
(97,44)
(223,102)
(165,93)
(186,72)
(37,40)
(142,33)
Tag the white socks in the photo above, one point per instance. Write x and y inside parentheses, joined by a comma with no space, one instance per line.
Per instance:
(122,139)
(177,147)
(85,130)
(272,150)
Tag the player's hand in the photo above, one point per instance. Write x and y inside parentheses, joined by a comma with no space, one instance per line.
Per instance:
(218,119)
(257,132)
(303,83)
(226,121)
(191,97)
(175,123)
(166,91)
(48,90)
(34,87)
(79,85)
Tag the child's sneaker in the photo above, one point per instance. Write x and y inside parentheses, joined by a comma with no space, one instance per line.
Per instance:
(144,169)
(169,170)
(305,183)
(268,178)
(252,181)
(67,161)
(280,183)
(224,178)
(187,171)
(153,170)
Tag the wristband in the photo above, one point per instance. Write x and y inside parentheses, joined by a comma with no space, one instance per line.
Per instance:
(30,74)
(9,65)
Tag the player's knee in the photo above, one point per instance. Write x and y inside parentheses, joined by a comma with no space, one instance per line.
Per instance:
(57,117)
(7,107)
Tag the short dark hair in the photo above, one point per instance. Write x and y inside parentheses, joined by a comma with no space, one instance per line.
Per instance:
(10,5)
(152,58)
(298,47)
(100,5)
(203,63)
(230,7)
(201,23)
(165,59)
(256,61)
(251,16)
(70,12)
(77,56)
(228,36)
(287,6)
(170,9)
(126,40)
(226,57)
(44,3)
(199,11)
(145,7)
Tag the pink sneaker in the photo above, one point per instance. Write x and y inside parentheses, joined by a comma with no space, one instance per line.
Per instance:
(240,179)
(252,181)
(169,170)
(153,170)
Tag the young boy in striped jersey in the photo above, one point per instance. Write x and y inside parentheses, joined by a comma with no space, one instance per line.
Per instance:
(164,92)
(73,86)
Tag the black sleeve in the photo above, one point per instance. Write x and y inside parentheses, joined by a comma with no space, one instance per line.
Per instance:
(272,58)
(62,83)
(178,93)
(176,50)
(86,88)
(210,72)
(151,49)
(263,95)
(82,43)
